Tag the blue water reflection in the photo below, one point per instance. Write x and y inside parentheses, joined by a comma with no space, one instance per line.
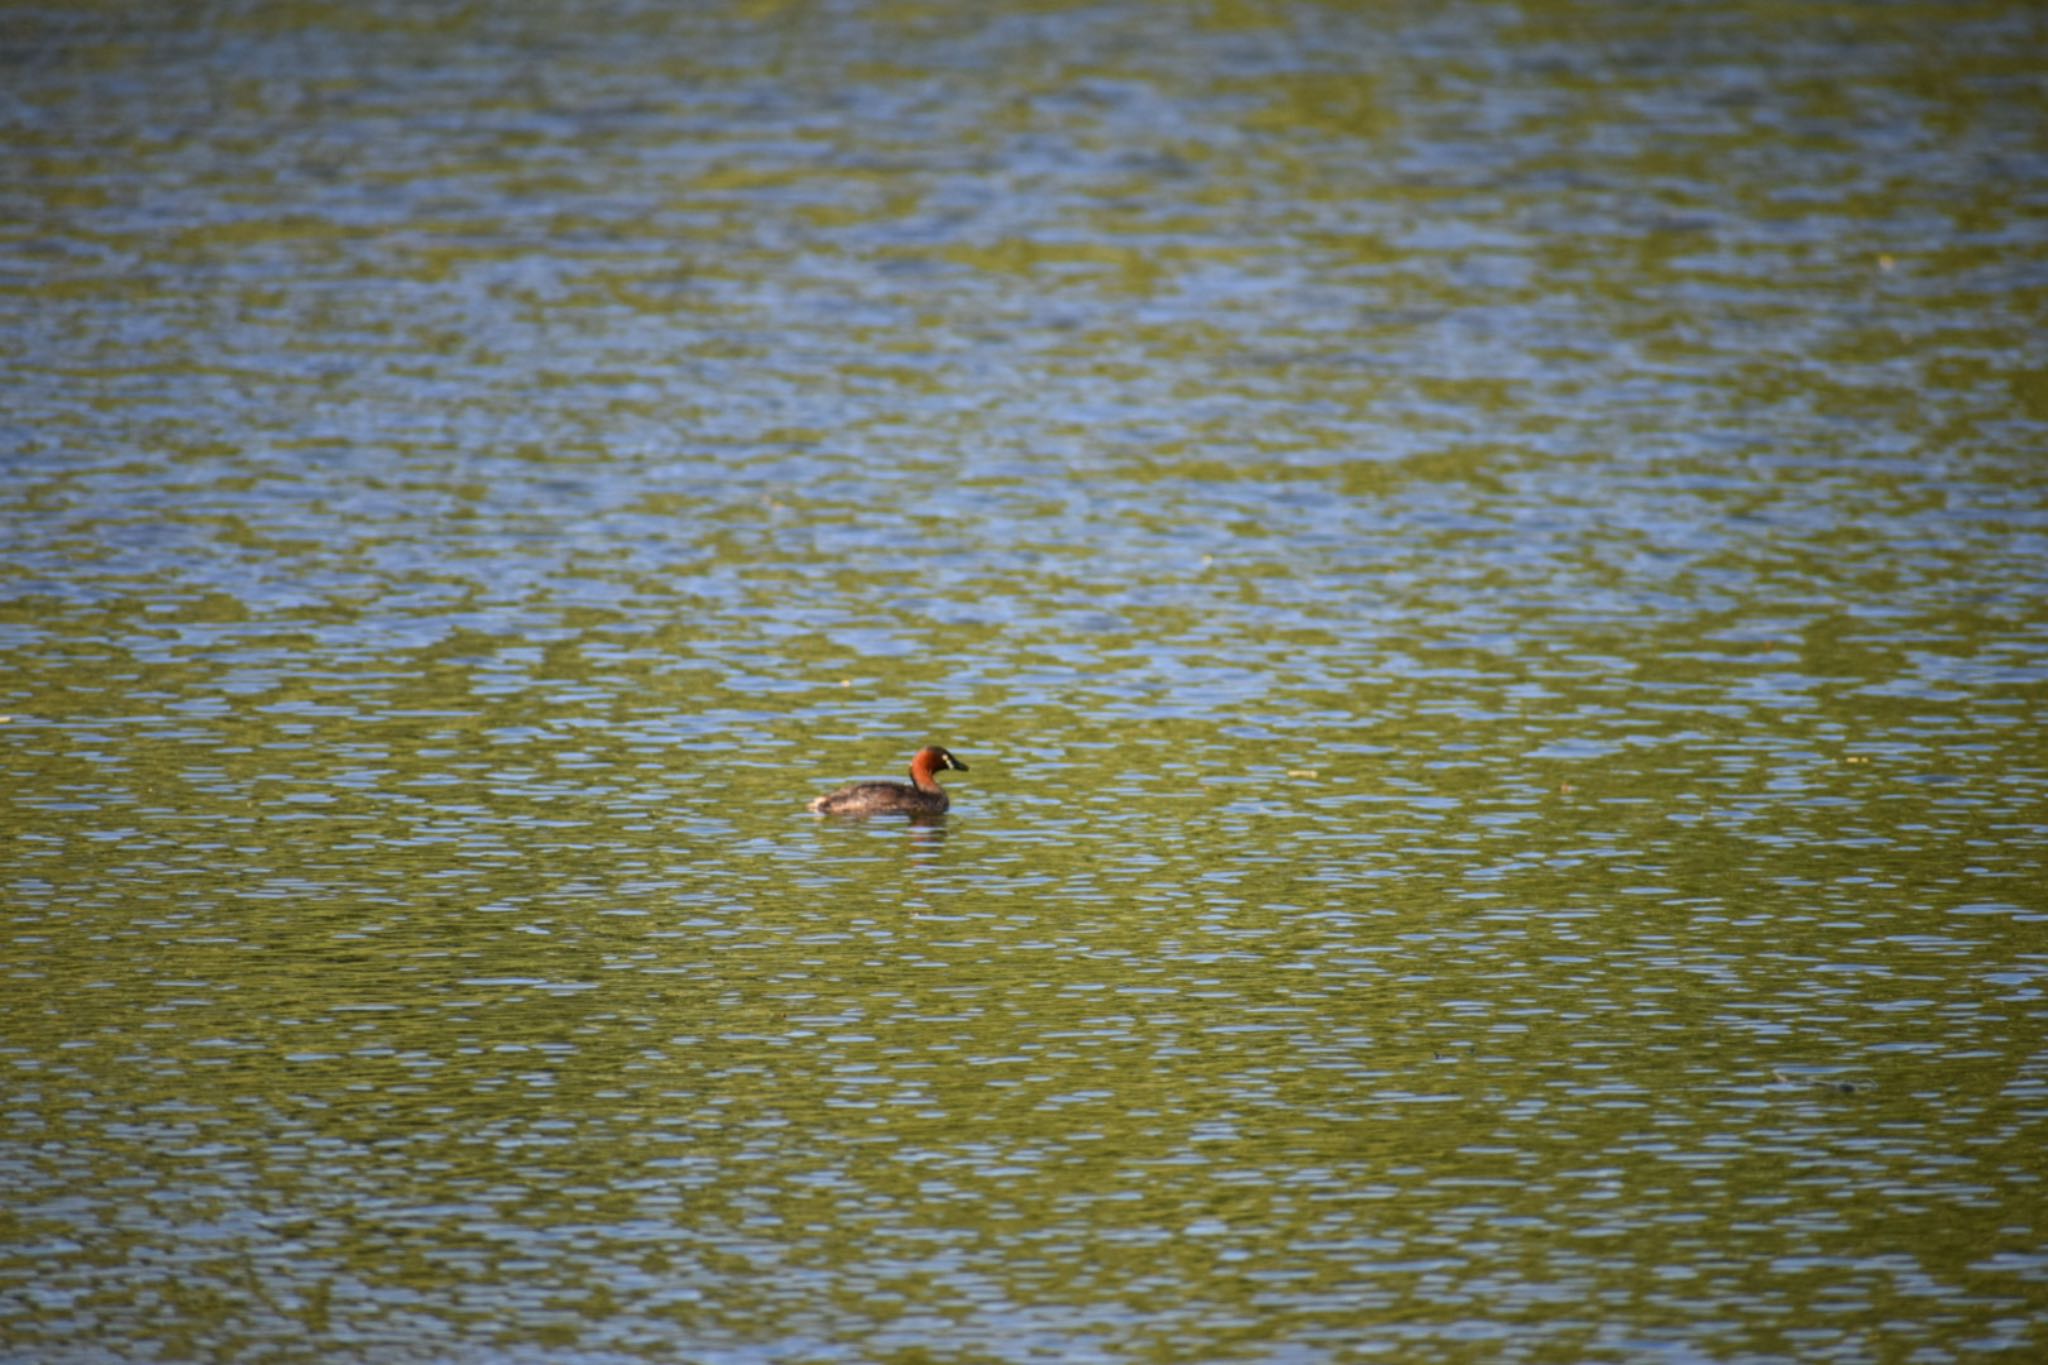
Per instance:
(1486,564)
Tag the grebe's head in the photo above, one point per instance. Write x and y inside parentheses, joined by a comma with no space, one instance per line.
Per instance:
(933,759)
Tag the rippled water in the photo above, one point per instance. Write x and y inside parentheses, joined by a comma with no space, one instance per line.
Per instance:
(1487,561)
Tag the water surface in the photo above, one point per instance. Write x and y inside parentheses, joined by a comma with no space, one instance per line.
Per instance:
(1487,562)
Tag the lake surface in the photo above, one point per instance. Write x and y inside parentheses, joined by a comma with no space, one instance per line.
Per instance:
(1489,564)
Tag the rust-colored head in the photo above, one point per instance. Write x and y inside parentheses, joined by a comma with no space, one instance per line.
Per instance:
(932,759)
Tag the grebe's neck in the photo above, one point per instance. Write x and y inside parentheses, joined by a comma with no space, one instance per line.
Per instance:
(921,769)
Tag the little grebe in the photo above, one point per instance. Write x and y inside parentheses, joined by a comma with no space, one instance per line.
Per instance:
(924,795)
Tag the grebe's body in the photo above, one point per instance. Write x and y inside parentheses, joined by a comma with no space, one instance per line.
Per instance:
(924,795)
